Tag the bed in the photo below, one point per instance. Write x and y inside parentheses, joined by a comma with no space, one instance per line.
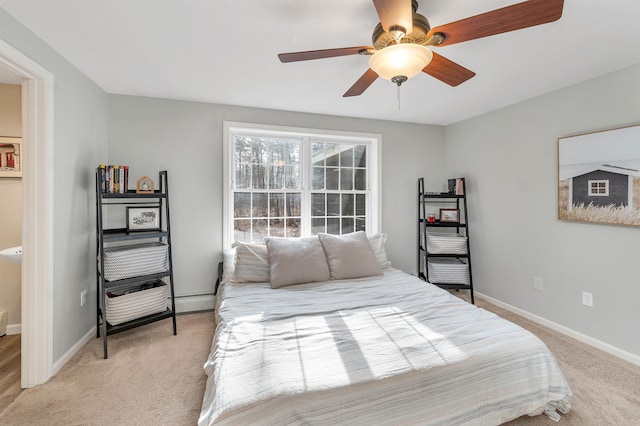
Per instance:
(378,349)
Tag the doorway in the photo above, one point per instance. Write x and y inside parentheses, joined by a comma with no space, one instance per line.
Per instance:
(37,228)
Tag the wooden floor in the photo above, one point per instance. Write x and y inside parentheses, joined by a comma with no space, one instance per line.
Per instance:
(9,369)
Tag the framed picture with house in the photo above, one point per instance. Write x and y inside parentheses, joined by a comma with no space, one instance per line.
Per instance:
(599,177)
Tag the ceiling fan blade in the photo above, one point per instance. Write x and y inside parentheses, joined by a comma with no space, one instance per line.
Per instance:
(320,54)
(362,84)
(522,15)
(447,71)
(395,13)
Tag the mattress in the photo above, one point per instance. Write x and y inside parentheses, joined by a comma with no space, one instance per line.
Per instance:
(381,350)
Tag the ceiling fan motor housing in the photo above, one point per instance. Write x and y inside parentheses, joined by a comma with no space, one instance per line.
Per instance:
(421,27)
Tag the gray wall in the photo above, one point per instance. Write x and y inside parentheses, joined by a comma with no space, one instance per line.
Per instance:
(510,160)
(185,138)
(80,140)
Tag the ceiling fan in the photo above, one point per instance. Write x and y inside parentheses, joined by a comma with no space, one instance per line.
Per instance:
(402,40)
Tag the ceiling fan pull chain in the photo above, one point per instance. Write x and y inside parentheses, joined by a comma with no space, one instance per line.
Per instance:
(398,96)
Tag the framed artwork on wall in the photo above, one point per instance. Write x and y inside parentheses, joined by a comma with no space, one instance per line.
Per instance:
(10,157)
(599,177)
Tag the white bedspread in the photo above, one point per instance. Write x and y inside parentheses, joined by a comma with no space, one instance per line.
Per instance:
(374,351)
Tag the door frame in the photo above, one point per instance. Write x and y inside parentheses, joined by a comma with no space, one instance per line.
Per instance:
(37,223)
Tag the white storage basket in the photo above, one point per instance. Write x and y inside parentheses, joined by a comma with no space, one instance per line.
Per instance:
(448,271)
(136,304)
(135,260)
(450,243)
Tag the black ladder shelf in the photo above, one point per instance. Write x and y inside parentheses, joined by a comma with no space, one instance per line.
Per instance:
(121,237)
(433,229)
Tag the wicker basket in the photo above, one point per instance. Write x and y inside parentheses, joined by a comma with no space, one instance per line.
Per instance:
(137,304)
(448,271)
(135,260)
(451,243)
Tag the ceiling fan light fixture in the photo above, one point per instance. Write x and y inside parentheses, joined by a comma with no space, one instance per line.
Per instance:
(400,60)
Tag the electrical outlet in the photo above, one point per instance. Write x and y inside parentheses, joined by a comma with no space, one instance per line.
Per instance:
(537,283)
(83,298)
(587,299)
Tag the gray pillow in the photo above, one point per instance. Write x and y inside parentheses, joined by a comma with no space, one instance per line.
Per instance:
(296,261)
(349,255)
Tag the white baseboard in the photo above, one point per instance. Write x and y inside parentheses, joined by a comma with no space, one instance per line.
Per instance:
(195,303)
(14,329)
(606,347)
(91,334)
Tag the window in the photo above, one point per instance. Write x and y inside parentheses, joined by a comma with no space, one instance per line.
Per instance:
(599,188)
(290,182)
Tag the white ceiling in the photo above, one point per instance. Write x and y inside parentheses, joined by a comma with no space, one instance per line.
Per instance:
(224,51)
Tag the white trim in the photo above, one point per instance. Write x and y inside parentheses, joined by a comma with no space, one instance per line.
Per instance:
(195,303)
(14,329)
(373,157)
(606,347)
(91,334)
(37,225)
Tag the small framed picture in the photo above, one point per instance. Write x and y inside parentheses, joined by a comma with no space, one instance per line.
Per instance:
(10,157)
(143,219)
(144,185)
(449,215)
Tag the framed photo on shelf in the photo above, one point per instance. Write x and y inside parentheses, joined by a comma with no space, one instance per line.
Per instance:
(143,218)
(10,157)
(144,185)
(449,215)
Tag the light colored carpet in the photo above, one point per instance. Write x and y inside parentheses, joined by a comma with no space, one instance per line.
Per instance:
(155,378)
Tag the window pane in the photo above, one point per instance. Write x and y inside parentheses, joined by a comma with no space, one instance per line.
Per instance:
(317,205)
(317,225)
(348,204)
(360,156)
(346,157)
(276,227)
(333,204)
(276,177)
(333,225)
(259,173)
(346,179)
(293,228)
(243,150)
(360,179)
(361,204)
(259,230)
(259,205)
(259,154)
(293,205)
(317,154)
(243,176)
(241,204)
(332,179)
(332,154)
(347,225)
(242,230)
(292,177)
(276,205)
(317,178)
(276,153)
(360,224)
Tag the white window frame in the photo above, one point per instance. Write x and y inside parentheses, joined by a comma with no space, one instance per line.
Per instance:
(598,181)
(374,169)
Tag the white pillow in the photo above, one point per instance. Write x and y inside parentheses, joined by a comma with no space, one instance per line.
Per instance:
(349,255)
(228,265)
(252,263)
(378,245)
(296,261)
